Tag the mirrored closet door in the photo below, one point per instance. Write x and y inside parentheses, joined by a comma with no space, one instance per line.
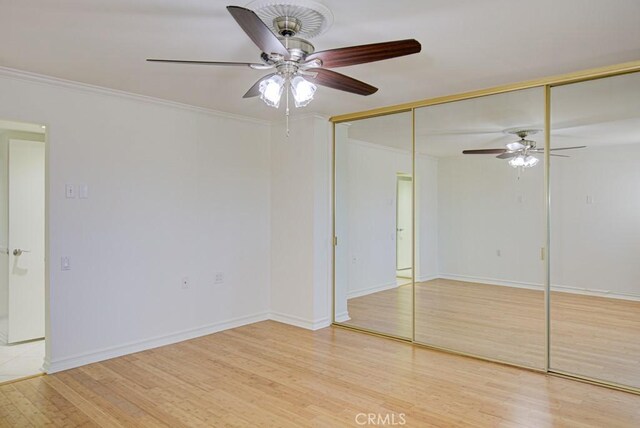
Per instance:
(480,227)
(373,224)
(595,230)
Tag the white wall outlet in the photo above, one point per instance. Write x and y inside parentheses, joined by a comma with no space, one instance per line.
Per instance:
(83,191)
(589,199)
(184,282)
(70,191)
(219,278)
(498,253)
(65,263)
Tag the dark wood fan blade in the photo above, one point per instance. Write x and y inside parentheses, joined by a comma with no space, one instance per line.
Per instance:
(507,155)
(341,82)
(257,30)
(232,64)
(484,152)
(559,148)
(254,91)
(568,148)
(560,156)
(353,55)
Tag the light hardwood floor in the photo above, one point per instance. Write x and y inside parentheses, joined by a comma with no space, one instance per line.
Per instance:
(273,375)
(590,336)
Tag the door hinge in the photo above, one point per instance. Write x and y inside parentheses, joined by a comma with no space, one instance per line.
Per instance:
(542,253)
(335,241)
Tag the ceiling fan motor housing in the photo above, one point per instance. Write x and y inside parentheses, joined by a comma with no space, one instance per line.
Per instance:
(287,26)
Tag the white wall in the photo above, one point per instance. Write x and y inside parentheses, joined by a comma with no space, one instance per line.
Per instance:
(366,177)
(300,222)
(372,178)
(174,192)
(596,246)
(483,209)
(426,218)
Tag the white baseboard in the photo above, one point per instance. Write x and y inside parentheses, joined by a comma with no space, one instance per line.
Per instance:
(343,317)
(371,290)
(142,345)
(491,281)
(300,322)
(533,286)
(598,293)
(427,278)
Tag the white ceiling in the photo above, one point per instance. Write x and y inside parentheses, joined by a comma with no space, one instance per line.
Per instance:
(467,44)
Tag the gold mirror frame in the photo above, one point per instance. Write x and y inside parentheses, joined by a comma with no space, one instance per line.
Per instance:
(547,84)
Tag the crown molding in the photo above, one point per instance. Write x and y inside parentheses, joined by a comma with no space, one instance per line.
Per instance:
(28,76)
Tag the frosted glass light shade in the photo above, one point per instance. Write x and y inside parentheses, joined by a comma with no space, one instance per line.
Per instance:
(523,161)
(302,90)
(271,90)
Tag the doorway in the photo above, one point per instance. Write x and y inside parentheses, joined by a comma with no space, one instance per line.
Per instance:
(404,228)
(22,249)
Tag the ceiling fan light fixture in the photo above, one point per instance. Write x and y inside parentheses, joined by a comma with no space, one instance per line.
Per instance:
(530,161)
(524,161)
(517,162)
(302,90)
(271,90)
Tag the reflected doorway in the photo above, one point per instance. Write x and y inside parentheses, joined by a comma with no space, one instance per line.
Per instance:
(404,228)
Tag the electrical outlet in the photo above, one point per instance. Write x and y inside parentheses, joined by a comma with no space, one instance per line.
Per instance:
(185,282)
(498,253)
(65,263)
(219,278)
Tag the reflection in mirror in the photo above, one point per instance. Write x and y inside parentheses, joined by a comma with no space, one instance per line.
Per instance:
(373,222)
(480,227)
(595,230)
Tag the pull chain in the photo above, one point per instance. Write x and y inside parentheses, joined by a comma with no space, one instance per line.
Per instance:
(287,91)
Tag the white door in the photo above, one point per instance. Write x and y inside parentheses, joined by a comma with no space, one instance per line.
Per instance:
(26,240)
(403,226)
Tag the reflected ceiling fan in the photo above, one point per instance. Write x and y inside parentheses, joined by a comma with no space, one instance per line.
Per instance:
(293,60)
(520,153)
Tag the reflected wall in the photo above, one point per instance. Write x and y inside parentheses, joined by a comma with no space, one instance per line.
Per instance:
(480,228)
(595,230)
(373,224)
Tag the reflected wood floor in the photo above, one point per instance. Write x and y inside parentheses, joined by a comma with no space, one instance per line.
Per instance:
(591,336)
(273,375)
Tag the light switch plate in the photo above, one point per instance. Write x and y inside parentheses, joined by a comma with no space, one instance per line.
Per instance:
(83,191)
(70,191)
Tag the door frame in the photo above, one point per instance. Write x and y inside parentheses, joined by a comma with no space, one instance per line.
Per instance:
(47,247)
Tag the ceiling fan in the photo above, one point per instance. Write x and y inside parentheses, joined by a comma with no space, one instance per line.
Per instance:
(520,153)
(293,60)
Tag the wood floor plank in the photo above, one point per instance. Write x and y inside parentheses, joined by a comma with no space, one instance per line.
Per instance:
(270,374)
